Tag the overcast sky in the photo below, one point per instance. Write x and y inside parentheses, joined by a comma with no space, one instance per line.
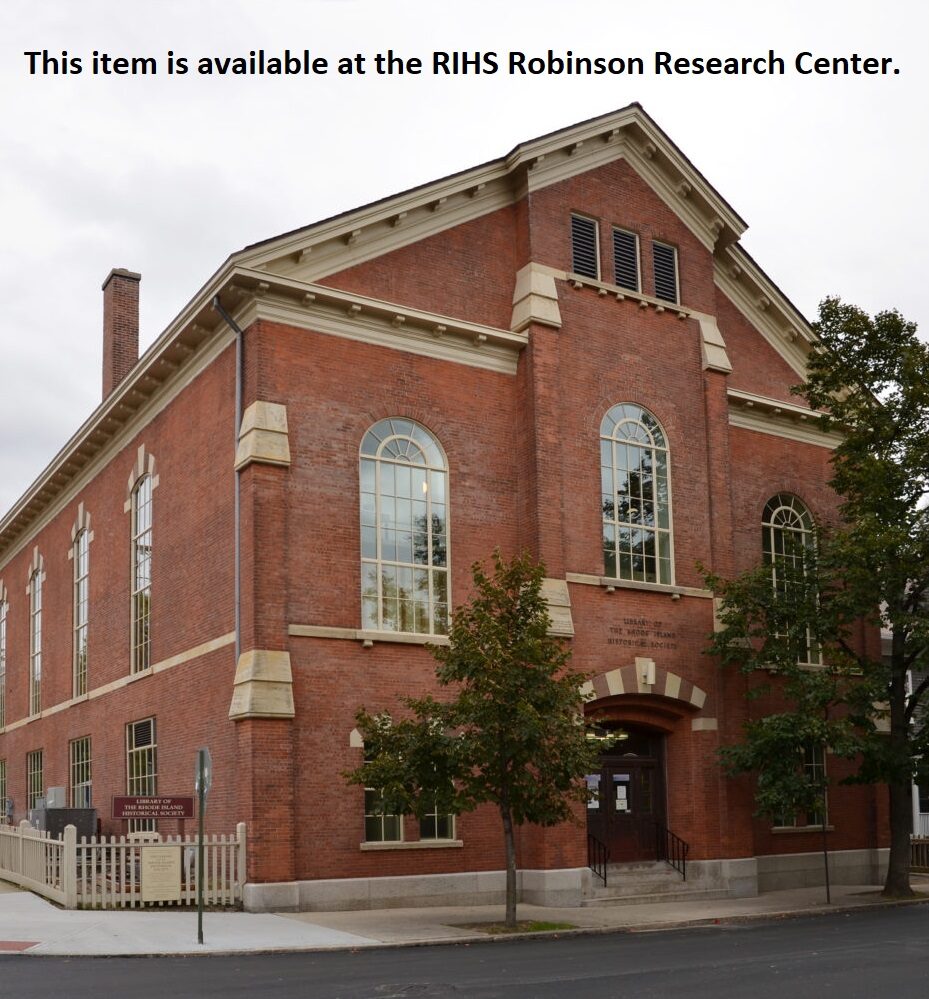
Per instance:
(167,175)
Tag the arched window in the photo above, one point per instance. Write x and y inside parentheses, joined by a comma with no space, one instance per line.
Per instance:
(35,641)
(787,537)
(404,530)
(786,531)
(141,601)
(81,559)
(3,612)
(635,496)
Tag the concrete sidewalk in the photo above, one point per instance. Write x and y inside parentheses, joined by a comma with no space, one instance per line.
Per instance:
(30,925)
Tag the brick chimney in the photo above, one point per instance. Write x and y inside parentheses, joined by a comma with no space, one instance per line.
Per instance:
(120,326)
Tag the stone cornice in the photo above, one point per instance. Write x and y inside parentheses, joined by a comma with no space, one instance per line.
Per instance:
(765,306)
(358,317)
(196,337)
(779,419)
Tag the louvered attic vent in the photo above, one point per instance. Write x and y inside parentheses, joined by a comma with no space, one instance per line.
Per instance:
(626,259)
(584,256)
(665,260)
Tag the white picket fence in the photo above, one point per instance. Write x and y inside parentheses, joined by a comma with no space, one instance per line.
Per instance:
(919,854)
(106,873)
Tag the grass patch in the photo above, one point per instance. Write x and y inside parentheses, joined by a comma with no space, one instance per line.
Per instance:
(522,926)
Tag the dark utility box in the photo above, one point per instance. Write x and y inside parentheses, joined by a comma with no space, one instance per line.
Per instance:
(83,819)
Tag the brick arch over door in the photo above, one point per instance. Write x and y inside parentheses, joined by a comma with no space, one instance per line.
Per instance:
(670,694)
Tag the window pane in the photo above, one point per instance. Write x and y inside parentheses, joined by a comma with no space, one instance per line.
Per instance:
(406,514)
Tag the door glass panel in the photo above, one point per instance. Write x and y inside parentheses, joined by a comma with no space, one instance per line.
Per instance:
(621,786)
(593,789)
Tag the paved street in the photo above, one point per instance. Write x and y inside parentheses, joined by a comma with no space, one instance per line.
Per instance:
(857,955)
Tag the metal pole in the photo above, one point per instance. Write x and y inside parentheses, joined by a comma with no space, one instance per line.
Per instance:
(826,858)
(200,859)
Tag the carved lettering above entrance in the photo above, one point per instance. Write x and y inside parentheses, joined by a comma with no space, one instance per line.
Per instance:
(642,633)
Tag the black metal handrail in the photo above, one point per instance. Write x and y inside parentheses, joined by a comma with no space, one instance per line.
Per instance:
(671,849)
(598,856)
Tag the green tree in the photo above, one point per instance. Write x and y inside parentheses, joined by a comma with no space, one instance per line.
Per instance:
(868,379)
(772,622)
(511,734)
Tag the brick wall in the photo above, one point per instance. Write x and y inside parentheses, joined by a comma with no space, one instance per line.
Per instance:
(523,473)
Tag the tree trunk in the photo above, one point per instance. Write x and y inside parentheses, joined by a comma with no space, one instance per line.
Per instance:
(897,884)
(508,839)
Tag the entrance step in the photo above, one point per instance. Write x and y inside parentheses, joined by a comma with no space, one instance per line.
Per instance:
(650,881)
(690,895)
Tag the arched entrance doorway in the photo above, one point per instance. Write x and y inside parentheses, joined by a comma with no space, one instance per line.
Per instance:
(627,805)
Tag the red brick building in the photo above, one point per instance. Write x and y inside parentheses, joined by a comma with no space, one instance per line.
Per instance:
(565,350)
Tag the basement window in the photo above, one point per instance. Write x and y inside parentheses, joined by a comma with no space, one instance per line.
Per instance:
(664,258)
(585,250)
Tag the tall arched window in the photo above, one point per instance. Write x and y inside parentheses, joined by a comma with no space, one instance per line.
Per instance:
(141,544)
(81,558)
(635,496)
(786,531)
(3,611)
(404,530)
(787,537)
(35,642)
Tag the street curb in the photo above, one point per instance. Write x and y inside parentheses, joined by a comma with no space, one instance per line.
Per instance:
(703,922)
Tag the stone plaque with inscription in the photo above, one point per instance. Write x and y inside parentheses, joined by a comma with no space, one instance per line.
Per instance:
(161,873)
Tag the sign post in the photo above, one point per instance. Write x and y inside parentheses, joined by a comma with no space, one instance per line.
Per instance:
(202,781)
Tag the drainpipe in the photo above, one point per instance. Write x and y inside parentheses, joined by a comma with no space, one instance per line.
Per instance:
(237,584)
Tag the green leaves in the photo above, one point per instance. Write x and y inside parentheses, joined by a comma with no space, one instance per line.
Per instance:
(509,734)
(869,378)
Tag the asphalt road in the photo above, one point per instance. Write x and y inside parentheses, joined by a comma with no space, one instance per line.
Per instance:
(860,955)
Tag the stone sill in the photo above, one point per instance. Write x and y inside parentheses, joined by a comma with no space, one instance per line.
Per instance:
(368,638)
(780,830)
(609,583)
(419,844)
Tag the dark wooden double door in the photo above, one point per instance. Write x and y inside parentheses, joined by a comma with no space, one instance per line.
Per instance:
(629,801)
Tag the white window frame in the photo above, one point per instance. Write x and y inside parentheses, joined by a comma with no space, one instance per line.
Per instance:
(373,815)
(798,535)
(35,778)
(4,610)
(80,770)
(383,450)
(141,574)
(623,426)
(141,779)
(81,558)
(813,764)
(35,640)
(436,817)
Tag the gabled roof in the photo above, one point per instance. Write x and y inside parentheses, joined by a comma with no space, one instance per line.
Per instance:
(290,265)
(354,236)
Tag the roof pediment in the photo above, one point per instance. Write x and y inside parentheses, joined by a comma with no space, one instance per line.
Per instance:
(323,248)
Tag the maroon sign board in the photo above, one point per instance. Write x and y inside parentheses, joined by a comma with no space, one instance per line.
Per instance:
(153,807)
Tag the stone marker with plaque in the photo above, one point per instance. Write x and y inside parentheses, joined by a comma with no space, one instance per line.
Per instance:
(161,873)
